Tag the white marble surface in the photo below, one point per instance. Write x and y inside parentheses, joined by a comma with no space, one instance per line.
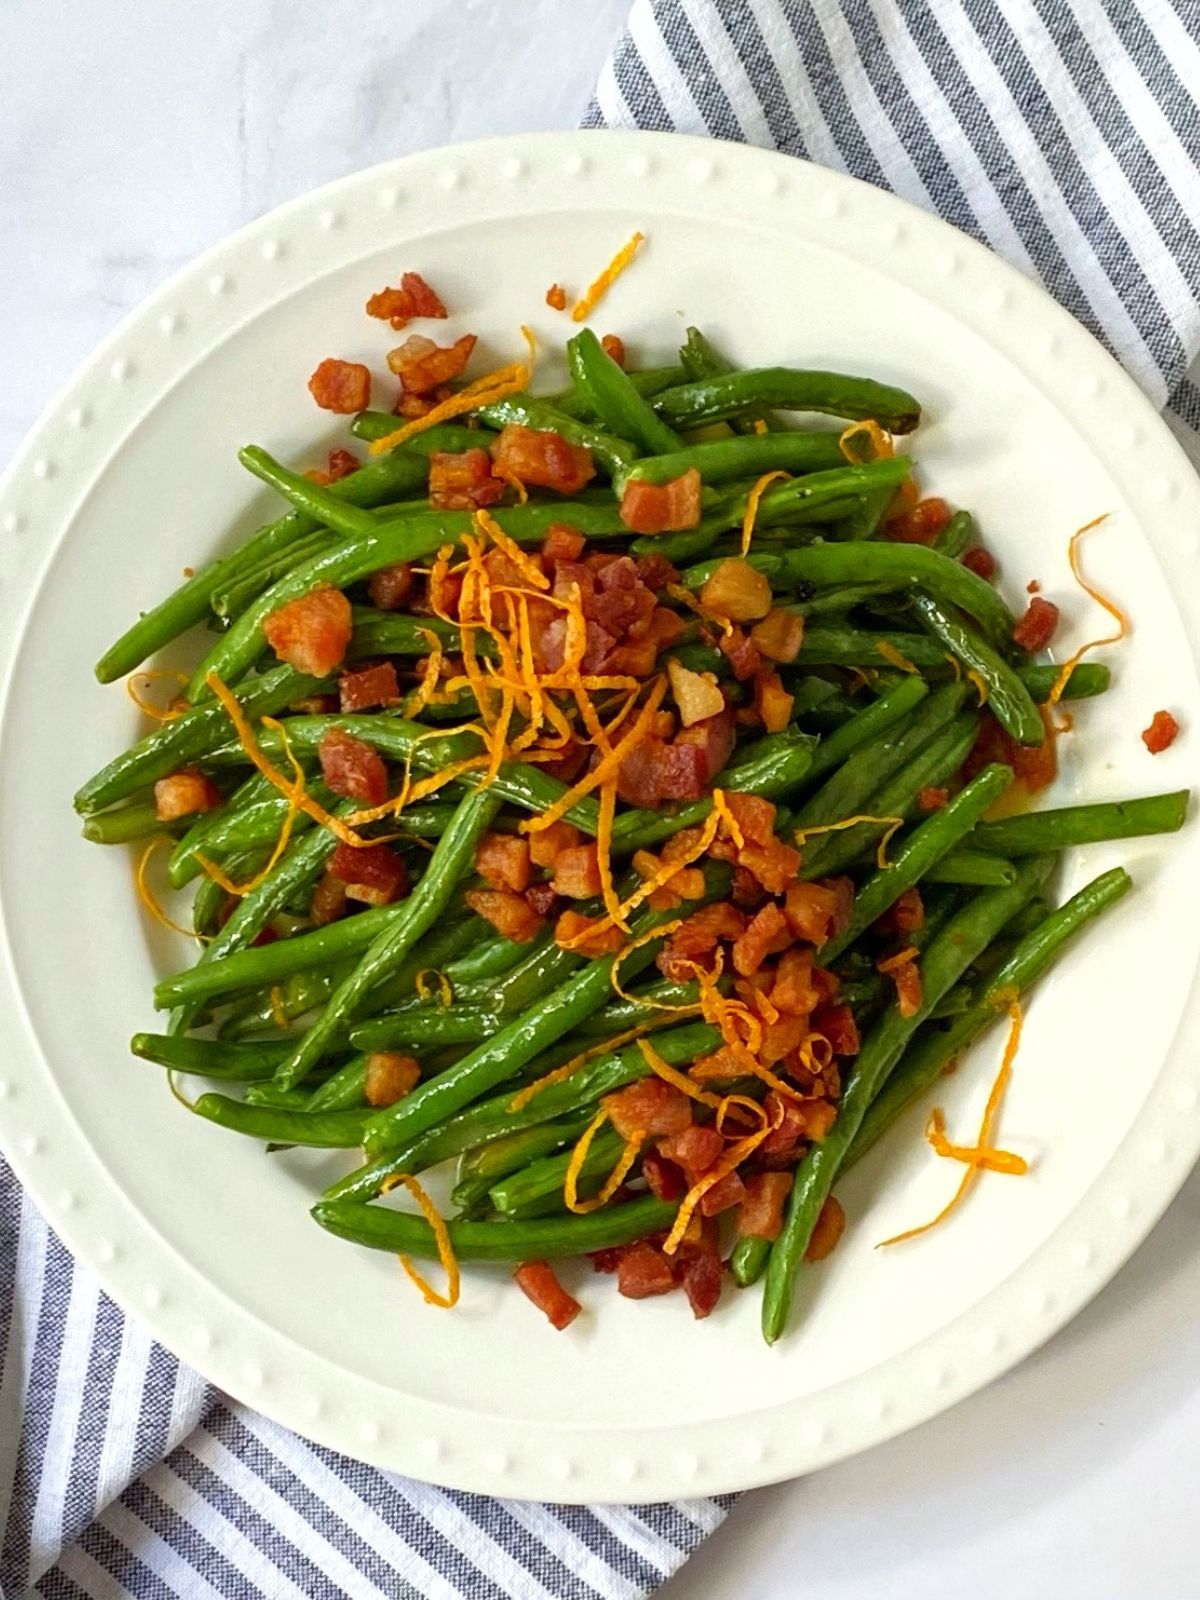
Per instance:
(135,134)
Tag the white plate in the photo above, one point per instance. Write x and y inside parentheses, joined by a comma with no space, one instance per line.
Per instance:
(132,474)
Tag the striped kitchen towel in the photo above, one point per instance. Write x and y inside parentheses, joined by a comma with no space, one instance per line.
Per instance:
(1067,136)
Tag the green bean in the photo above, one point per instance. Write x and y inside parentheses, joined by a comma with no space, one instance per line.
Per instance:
(1089,678)
(373,484)
(544,1239)
(242,1063)
(543,968)
(138,820)
(620,408)
(851,785)
(423,1029)
(865,522)
(915,854)
(307,496)
(517,1042)
(327,1130)
(494,1118)
(748,1260)
(649,381)
(937,761)
(958,1000)
(957,537)
(450,861)
(189,737)
(250,818)
(394,633)
(841,644)
(614,455)
(520,1193)
(933,1049)
(749,456)
(948,955)
(343,1089)
(642,1005)
(972,867)
(1064,826)
(489,959)
(891,708)
(700,359)
(1008,698)
(488,1163)
(714,399)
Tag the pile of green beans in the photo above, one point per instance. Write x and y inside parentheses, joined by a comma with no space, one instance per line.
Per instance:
(903,656)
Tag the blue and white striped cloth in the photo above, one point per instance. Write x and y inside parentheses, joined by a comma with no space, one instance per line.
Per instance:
(1064,135)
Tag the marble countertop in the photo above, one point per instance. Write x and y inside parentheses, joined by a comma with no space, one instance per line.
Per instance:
(132,137)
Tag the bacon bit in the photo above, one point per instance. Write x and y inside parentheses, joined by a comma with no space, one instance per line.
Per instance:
(702,1277)
(697,695)
(146,895)
(414,298)
(184,793)
(933,798)
(445,1249)
(328,901)
(614,348)
(831,1223)
(342,386)
(1161,734)
(819,911)
(368,688)
(494,386)
(905,915)
(423,366)
(596,291)
(160,713)
(836,1024)
(545,458)
(921,525)
(510,914)
(894,657)
(767,928)
(607,766)
(984,565)
(556,297)
(696,1149)
(391,587)
(590,936)
(736,591)
(651,1107)
(1114,611)
(562,543)
(536,1280)
(772,701)
(983,1143)
(615,1178)
(389,1077)
(462,481)
(643,1271)
(904,972)
(545,846)
(341,464)
(752,500)
(312,632)
(503,861)
(760,1215)
(729,1162)
(892,824)
(865,441)
(1033,587)
(778,636)
(351,768)
(375,875)
(727,1192)
(649,508)
(577,872)
(1036,628)
(742,654)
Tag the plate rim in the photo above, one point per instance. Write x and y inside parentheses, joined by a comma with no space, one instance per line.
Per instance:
(537,1461)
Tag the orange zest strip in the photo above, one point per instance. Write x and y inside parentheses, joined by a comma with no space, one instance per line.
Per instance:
(483,391)
(739,1102)
(569,1068)
(424,989)
(278,1015)
(865,441)
(607,765)
(444,1248)
(423,694)
(729,1162)
(513,482)
(684,595)
(159,713)
(596,291)
(616,912)
(732,1019)
(900,959)
(615,1178)
(663,931)
(894,657)
(982,1156)
(528,568)
(893,825)
(680,1080)
(984,1141)
(1114,611)
(146,895)
(752,499)
(981,688)
(955,667)
(727,819)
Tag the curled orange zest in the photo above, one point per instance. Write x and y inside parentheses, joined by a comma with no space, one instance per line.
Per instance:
(983,1144)
(752,499)
(444,1248)
(159,713)
(146,895)
(596,291)
(422,986)
(663,931)
(513,482)
(1114,611)
(893,825)
(729,1162)
(981,688)
(615,1178)
(894,657)
(679,1080)
(865,441)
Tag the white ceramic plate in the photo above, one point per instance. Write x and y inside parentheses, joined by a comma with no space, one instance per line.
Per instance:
(132,474)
